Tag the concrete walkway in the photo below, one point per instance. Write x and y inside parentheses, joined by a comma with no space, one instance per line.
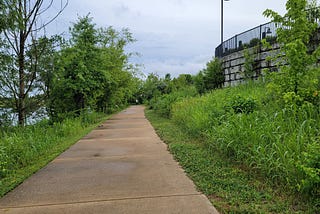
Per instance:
(120,167)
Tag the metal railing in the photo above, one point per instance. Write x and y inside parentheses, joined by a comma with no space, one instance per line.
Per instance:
(249,38)
(253,37)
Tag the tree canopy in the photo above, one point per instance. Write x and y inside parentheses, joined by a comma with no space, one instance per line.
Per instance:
(92,70)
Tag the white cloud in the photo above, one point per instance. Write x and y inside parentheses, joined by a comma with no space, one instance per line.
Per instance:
(174,67)
(174,36)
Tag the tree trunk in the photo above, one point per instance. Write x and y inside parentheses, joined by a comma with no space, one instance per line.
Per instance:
(21,102)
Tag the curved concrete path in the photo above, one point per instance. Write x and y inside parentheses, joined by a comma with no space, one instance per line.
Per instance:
(120,167)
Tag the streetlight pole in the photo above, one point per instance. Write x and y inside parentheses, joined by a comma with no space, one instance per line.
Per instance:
(222,20)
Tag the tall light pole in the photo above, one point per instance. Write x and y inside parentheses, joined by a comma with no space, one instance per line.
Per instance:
(222,19)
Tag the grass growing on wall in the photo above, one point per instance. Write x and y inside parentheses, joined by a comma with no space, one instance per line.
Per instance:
(24,150)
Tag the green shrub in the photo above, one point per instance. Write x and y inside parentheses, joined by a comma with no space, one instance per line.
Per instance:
(254,42)
(163,104)
(243,105)
(310,167)
(249,64)
(213,75)
(3,162)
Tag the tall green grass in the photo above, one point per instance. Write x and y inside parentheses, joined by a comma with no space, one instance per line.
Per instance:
(23,150)
(231,188)
(163,104)
(280,143)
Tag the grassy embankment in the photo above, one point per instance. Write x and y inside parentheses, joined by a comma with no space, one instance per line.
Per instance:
(25,150)
(244,152)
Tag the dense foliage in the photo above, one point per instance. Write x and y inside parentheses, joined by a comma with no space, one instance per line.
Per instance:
(212,77)
(161,93)
(92,71)
(297,82)
(64,78)
(247,127)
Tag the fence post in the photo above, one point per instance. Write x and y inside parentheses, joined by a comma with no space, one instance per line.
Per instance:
(260,32)
(236,41)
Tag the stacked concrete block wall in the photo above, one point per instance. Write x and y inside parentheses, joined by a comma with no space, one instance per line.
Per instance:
(233,64)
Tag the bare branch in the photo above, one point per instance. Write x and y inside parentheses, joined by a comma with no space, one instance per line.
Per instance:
(47,8)
(34,16)
(51,20)
(16,40)
(15,47)
(21,35)
(32,11)
(35,63)
(12,88)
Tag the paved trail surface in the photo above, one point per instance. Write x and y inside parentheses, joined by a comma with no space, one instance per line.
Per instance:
(120,167)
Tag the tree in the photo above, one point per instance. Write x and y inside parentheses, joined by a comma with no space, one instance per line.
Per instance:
(199,83)
(151,87)
(22,22)
(213,76)
(92,71)
(78,78)
(295,81)
(123,84)
(182,81)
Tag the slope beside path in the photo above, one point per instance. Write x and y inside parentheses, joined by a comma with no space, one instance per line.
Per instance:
(120,167)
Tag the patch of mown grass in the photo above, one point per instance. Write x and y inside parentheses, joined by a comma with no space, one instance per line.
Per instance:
(25,150)
(230,187)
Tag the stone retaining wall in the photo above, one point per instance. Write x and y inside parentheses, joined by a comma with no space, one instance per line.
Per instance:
(233,64)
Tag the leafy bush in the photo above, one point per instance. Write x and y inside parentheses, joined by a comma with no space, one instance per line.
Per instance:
(213,77)
(163,104)
(297,79)
(3,162)
(254,42)
(249,64)
(243,105)
(310,167)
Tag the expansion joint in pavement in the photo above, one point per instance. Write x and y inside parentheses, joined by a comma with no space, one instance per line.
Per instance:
(102,200)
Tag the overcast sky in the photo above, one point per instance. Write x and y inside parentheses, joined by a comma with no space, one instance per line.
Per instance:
(173,36)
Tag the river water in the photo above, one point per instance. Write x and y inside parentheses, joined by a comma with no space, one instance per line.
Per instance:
(8,117)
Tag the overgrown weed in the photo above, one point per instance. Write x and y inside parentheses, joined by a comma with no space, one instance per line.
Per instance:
(230,186)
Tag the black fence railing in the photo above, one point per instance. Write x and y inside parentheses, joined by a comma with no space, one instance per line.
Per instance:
(253,37)
(249,38)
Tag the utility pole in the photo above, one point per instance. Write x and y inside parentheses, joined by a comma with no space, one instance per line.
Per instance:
(222,19)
